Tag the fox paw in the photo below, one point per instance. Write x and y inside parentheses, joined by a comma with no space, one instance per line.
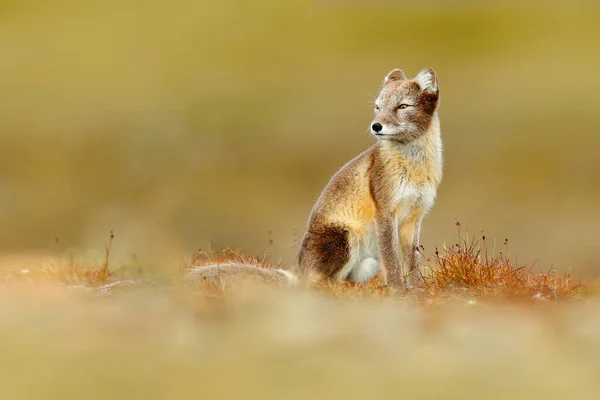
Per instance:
(415,280)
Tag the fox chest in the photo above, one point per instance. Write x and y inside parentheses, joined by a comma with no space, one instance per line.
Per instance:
(411,199)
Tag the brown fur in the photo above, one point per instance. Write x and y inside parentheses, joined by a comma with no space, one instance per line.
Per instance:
(329,248)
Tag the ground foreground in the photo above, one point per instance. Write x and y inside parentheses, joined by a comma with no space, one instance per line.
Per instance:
(481,327)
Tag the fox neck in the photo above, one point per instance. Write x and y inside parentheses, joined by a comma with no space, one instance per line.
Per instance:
(427,146)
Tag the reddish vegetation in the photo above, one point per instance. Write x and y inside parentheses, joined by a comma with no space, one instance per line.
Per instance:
(68,273)
(73,274)
(464,269)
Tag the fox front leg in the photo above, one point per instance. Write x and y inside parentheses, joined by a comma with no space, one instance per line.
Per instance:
(387,241)
(410,231)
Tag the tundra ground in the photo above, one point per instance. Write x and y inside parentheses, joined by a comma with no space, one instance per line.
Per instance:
(481,327)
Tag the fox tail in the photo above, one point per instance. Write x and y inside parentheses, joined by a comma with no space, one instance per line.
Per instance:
(237,274)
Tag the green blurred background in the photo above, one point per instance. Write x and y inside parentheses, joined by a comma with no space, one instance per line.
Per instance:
(183,122)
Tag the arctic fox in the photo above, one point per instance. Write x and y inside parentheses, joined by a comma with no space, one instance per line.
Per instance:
(369,215)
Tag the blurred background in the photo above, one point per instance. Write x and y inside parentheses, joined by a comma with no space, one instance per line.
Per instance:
(186,124)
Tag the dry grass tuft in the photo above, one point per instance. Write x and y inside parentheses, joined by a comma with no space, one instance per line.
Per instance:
(76,274)
(466,268)
(73,273)
(69,273)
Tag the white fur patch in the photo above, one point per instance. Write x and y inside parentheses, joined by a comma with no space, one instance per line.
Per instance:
(406,193)
(364,271)
(428,198)
(426,80)
(408,196)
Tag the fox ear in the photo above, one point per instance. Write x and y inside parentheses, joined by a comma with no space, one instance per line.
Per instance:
(427,80)
(394,75)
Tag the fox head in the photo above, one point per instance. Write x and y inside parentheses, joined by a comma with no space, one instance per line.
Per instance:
(405,107)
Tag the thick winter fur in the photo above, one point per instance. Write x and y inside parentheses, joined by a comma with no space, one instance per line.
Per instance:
(369,215)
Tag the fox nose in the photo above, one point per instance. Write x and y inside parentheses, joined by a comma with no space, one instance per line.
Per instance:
(376,127)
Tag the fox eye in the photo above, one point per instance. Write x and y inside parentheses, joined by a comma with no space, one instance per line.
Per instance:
(403,106)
